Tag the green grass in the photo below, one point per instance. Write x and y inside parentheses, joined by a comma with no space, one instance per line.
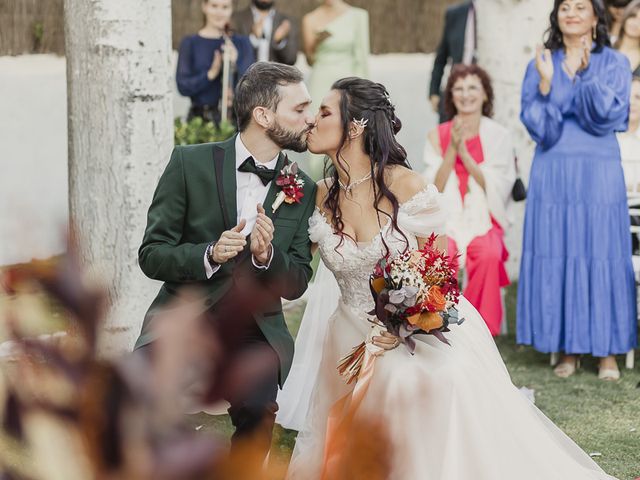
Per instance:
(600,416)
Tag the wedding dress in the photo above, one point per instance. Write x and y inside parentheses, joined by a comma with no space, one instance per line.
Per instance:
(451,412)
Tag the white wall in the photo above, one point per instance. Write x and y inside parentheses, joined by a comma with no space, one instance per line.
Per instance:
(33,164)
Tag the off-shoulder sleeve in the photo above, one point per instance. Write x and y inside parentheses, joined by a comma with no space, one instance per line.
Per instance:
(318,226)
(601,98)
(539,114)
(423,214)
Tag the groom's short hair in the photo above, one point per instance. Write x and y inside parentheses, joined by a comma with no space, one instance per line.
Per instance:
(258,87)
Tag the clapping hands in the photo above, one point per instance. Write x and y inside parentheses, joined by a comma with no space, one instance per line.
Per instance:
(261,237)
(459,135)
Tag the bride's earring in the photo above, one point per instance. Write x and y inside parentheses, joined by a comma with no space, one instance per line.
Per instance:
(357,127)
(593,33)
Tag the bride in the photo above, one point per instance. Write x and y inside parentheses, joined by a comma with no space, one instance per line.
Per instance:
(451,412)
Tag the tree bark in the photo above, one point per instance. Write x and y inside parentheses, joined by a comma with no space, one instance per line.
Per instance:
(120,137)
(508,32)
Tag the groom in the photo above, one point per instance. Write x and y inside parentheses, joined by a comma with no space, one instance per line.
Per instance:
(212,222)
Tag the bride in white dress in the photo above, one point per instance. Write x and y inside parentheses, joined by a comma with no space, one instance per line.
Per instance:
(451,412)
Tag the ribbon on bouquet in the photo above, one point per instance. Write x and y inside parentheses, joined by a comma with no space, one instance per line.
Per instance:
(343,411)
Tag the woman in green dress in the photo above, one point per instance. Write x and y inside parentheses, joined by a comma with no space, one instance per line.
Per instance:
(336,44)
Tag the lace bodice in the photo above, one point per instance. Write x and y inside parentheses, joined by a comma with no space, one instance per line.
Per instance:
(352,263)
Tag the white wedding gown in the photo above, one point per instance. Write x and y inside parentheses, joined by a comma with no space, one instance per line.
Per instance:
(452,411)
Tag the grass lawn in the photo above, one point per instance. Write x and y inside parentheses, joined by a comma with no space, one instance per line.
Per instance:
(603,418)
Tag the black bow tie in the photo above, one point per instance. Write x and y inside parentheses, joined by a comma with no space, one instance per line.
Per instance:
(265,174)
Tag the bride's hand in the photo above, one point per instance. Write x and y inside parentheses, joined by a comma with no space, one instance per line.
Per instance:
(386,341)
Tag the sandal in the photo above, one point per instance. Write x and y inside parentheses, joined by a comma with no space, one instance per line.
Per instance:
(566,369)
(609,374)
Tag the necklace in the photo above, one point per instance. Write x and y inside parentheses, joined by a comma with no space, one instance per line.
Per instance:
(347,188)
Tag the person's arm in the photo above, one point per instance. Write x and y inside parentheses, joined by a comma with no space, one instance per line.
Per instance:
(440,62)
(442,165)
(471,166)
(362,47)
(289,273)
(189,81)
(286,50)
(162,255)
(539,113)
(601,101)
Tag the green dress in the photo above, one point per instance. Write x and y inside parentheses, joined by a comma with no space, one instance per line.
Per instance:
(344,54)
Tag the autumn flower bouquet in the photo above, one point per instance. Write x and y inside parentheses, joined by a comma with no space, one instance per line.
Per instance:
(414,292)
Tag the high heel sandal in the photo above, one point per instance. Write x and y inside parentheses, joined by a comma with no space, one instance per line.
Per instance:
(566,369)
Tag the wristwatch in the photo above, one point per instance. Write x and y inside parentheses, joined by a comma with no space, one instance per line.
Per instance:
(209,254)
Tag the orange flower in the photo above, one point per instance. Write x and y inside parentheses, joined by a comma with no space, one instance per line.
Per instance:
(435,301)
(378,284)
(426,321)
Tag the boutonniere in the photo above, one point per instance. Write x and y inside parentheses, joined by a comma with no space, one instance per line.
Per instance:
(290,184)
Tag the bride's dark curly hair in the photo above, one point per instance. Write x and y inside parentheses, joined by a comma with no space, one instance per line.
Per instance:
(369,101)
(553,34)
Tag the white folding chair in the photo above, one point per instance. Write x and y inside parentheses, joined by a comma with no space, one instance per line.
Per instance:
(631,167)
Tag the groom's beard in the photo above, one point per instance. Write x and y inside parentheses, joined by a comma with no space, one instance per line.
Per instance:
(288,140)
(262,4)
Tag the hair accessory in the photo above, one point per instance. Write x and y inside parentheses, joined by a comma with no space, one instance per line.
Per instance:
(361,123)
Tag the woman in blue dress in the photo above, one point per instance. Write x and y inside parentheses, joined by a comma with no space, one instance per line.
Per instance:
(200,66)
(577,292)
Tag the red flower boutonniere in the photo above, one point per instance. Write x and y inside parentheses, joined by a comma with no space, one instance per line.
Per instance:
(291,186)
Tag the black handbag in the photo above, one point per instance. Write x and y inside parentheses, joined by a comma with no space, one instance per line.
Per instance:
(519,191)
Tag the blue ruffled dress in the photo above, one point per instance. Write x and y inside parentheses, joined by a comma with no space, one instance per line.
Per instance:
(576,290)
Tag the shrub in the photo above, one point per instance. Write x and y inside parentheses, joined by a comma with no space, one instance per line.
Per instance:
(199,131)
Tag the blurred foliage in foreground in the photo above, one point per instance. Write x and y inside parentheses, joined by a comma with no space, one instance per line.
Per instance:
(67,414)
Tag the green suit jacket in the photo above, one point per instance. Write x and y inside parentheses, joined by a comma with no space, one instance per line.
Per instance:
(194,202)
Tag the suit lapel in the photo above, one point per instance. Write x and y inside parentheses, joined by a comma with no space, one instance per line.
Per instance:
(224,156)
(274,189)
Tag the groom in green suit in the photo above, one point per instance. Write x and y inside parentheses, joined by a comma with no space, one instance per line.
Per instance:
(217,215)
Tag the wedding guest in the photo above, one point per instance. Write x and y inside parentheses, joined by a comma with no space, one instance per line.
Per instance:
(274,35)
(470,159)
(615,9)
(628,42)
(576,290)
(200,61)
(457,45)
(336,44)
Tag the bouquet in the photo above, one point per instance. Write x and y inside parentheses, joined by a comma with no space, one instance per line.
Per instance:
(414,292)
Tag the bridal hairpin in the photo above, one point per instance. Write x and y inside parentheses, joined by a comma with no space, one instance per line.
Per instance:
(361,123)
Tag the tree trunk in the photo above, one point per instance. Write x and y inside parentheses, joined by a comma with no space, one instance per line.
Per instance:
(120,136)
(508,32)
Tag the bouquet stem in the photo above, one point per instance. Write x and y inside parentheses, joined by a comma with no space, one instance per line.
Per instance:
(350,365)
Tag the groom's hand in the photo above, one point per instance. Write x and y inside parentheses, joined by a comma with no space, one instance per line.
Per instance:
(230,244)
(261,237)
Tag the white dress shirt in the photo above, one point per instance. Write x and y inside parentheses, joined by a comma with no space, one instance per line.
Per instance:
(262,44)
(469,52)
(250,191)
